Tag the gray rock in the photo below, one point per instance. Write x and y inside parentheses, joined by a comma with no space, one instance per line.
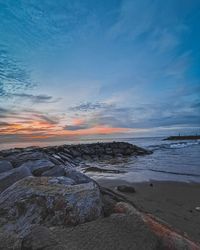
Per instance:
(126,189)
(109,151)
(37,167)
(75,153)
(77,176)
(55,171)
(9,241)
(62,180)
(19,158)
(5,166)
(39,237)
(54,160)
(86,157)
(12,176)
(39,201)
(58,158)
(108,205)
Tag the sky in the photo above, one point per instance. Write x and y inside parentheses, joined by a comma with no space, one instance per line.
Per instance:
(94,69)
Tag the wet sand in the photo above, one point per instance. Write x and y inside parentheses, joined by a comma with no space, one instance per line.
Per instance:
(172,202)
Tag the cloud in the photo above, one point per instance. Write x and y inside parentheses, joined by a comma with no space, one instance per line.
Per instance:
(14,77)
(34,98)
(76,127)
(4,124)
(49,119)
(88,106)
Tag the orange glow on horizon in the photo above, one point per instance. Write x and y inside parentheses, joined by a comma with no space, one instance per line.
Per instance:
(43,130)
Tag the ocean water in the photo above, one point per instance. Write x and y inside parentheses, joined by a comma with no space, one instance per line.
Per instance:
(170,161)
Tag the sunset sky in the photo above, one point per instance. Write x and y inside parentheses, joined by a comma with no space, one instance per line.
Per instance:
(90,69)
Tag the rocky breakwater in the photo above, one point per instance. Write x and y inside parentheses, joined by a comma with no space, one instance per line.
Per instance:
(42,193)
(41,187)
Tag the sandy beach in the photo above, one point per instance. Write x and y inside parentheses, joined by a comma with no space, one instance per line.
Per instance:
(173,202)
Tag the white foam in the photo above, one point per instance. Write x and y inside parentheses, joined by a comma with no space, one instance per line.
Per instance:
(183,145)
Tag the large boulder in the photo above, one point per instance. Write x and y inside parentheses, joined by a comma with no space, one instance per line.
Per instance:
(43,200)
(39,237)
(18,158)
(56,171)
(37,167)
(12,176)
(77,176)
(9,241)
(5,166)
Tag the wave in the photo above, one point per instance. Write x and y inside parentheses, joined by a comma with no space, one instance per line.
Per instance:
(174,145)
(183,144)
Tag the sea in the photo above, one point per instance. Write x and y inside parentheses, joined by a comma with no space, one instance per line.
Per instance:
(170,161)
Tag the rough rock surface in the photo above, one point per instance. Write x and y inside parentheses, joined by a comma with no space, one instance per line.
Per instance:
(56,171)
(41,188)
(39,237)
(43,201)
(5,166)
(12,176)
(37,167)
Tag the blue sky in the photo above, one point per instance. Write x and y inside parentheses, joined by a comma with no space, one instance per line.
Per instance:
(98,68)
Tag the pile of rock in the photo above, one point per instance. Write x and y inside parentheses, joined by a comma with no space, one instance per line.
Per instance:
(41,186)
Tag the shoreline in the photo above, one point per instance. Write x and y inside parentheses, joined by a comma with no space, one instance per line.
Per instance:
(64,202)
(173,202)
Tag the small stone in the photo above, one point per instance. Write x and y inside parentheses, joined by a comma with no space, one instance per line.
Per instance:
(126,189)
(197,209)
(124,208)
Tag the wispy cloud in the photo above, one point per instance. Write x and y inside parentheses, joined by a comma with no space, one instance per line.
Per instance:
(34,98)
(88,106)
(13,75)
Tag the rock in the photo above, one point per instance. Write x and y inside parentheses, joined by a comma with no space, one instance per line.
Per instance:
(19,158)
(103,170)
(39,201)
(62,180)
(108,205)
(109,151)
(77,176)
(124,208)
(55,171)
(9,241)
(39,237)
(105,157)
(5,166)
(75,153)
(12,176)
(86,157)
(37,167)
(55,161)
(126,189)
